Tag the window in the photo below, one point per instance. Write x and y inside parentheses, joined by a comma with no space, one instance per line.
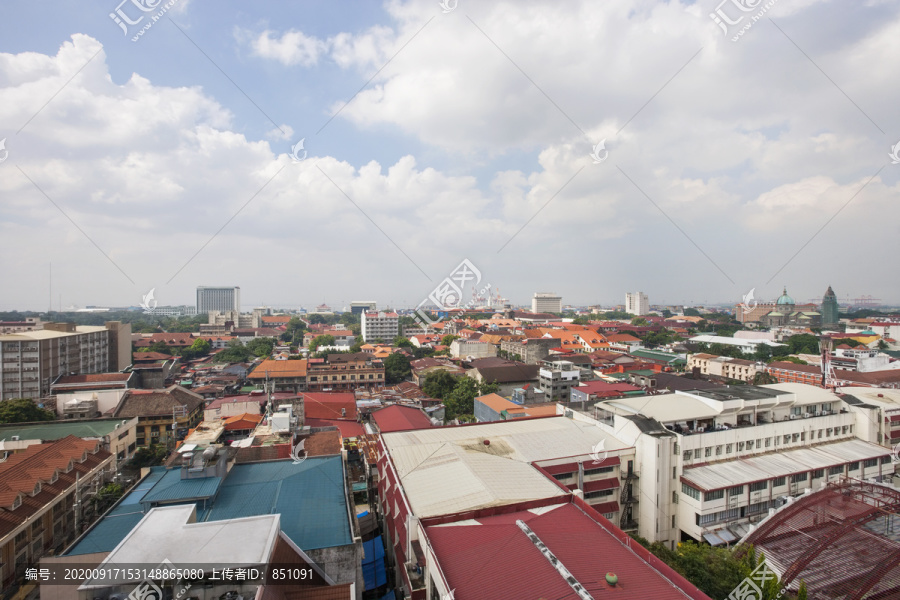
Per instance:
(820,434)
(690,491)
(740,446)
(778,481)
(673,521)
(728,448)
(598,470)
(768,442)
(708,452)
(787,439)
(687,455)
(562,476)
(706,519)
(718,450)
(801,478)
(674,497)
(836,470)
(854,466)
(749,444)
(736,490)
(714,495)
(759,486)
(872,462)
(818,473)
(759,443)
(885,460)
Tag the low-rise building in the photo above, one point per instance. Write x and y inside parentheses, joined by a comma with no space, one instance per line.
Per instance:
(344,372)
(116,436)
(724,368)
(157,411)
(284,375)
(507,374)
(465,348)
(557,378)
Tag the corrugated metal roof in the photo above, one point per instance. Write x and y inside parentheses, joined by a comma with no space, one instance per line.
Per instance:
(172,488)
(112,529)
(451,469)
(779,464)
(309,496)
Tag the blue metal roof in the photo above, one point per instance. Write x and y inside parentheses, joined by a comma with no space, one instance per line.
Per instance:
(309,497)
(172,488)
(113,528)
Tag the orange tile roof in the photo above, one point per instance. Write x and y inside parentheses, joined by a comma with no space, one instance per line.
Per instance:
(496,402)
(279,368)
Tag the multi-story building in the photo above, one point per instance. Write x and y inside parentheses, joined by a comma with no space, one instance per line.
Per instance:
(546,303)
(724,367)
(637,303)
(45,493)
(557,378)
(29,324)
(463,348)
(218,298)
(380,325)
(31,360)
(530,351)
(830,316)
(358,307)
(344,372)
(480,487)
(714,461)
(158,410)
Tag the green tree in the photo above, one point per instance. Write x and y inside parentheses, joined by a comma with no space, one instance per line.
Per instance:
(321,340)
(801,592)
(461,401)
(234,352)
(293,331)
(882,345)
(763,378)
(201,347)
(439,384)
(448,339)
(639,322)
(107,496)
(23,410)
(159,346)
(666,313)
(691,312)
(316,319)
(396,368)
(148,457)
(261,346)
(803,343)
(763,352)
(422,352)
(403,342)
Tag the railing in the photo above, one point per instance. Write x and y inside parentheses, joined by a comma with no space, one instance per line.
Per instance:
(629,475)
(627,525)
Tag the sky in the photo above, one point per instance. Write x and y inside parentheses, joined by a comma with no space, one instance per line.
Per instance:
(691,150)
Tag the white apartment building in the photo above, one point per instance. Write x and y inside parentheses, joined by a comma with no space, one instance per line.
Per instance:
(31,360)
(724,367)
(218,298)
(713,462)
(637,303)
(380,326)
(546,303)
(462,348)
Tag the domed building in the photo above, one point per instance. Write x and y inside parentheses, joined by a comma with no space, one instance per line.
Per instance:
(786,314)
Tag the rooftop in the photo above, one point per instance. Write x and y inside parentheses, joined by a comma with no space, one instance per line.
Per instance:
(448,470)
(309,496)
(780,464)
(279,368)
(494,557)
(56,430)
(400,418)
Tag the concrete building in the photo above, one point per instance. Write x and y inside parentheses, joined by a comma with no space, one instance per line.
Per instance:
(218,298)
(463,348)
(116,436)
(379,325)
(747,346)
(28,324)
(557,378)
(45,494)
(358,307)
(508,375)
(830,316)
(637,303)
(344,372)
(721,368)
(30,361)
(530,351)
(492,407)
(157,410)
(712,462)
(444,490)
(546,303)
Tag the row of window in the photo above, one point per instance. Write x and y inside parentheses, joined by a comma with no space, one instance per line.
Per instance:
(759,486)
(757,444)
(587,473)
(344,377)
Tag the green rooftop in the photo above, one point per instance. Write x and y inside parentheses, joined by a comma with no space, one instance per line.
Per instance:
(56,430)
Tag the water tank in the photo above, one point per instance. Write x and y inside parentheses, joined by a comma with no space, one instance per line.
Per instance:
(209,453)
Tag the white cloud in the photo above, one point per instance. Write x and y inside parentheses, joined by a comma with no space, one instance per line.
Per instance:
(290,49)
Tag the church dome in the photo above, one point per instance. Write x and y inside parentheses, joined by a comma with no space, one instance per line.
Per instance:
(785,299)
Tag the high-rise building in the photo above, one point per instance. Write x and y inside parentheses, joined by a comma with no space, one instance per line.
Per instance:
(637,303)
(380,326)
(218,298)
(546,303)
(31,360)
(361,306)
(829,308)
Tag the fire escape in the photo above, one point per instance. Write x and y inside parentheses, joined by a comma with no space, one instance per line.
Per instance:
(628,499)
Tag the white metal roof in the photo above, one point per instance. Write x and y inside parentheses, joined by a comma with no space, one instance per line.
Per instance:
(779,464)
(450,469)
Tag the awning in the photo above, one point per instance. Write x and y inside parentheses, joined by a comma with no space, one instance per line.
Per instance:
(601,484)
(606,507)
(563,468)
(712,539)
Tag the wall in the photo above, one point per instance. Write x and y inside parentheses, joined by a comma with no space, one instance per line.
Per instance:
(341,563)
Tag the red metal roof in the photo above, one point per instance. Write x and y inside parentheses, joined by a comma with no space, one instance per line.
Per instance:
(348,429)
(496,560)
(328,405)
(400,418)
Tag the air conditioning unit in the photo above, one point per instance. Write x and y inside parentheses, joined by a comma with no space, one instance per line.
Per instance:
(806,415)
(793,417)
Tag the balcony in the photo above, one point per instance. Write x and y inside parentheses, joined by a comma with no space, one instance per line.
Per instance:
(628,525)
(626,475)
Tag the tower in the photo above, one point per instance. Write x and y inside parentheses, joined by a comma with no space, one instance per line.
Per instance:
(829,308)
